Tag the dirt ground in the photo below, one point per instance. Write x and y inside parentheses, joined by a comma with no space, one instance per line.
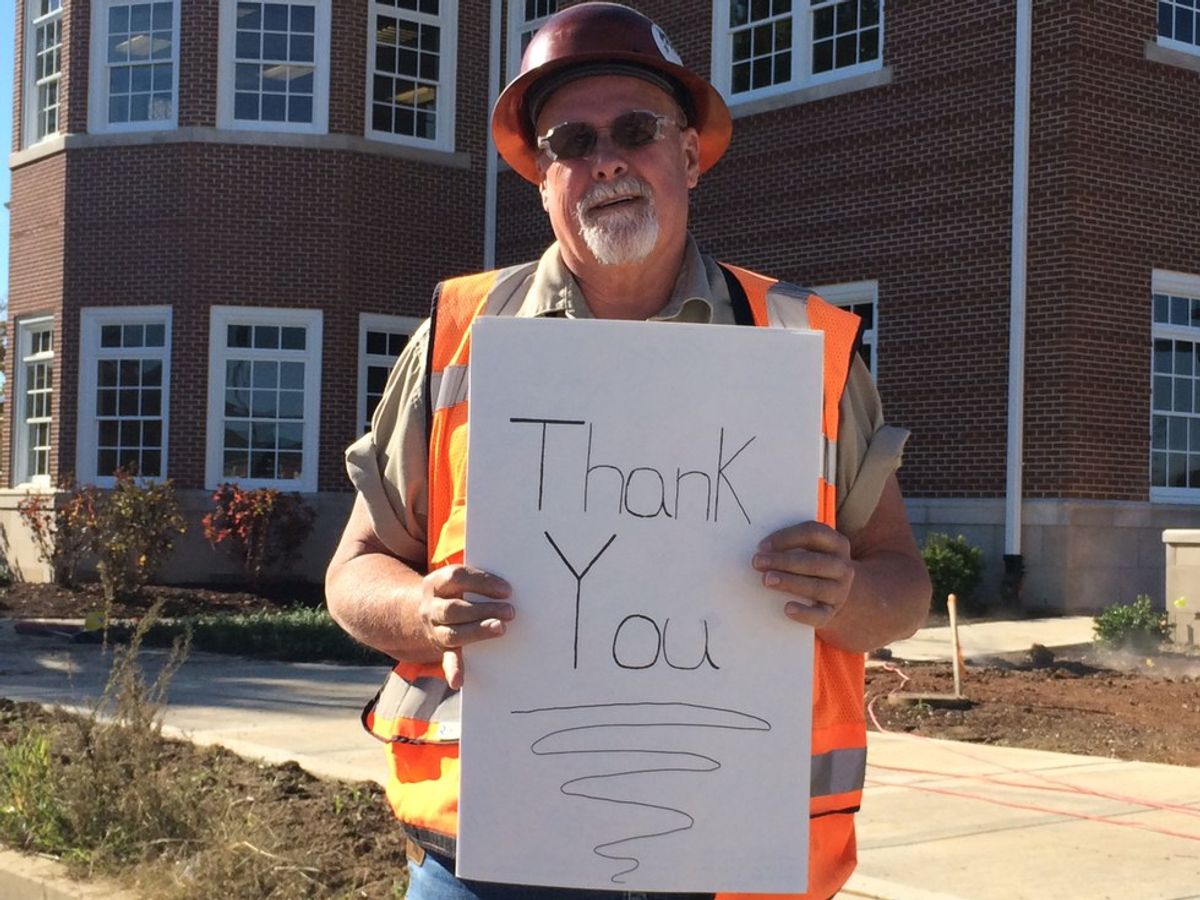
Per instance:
(1093,703)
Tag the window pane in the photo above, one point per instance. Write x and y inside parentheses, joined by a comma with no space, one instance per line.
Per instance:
(294,338)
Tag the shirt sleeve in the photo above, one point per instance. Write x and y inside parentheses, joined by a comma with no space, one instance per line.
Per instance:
(868,450)
(389,464)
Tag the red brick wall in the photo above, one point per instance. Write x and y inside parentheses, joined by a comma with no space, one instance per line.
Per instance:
(35,281)
(193,225)
(1115,155)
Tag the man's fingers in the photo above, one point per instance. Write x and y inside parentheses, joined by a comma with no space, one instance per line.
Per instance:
(802,562)
(460,612)
(806,536)
(455,636)
(454,581)
(816,615)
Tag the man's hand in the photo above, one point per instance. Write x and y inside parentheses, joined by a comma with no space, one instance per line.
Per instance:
(450,622)
(811,563)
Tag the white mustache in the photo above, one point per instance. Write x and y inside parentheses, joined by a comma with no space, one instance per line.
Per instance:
(604,191)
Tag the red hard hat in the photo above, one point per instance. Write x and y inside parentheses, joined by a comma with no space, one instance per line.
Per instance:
(602,38)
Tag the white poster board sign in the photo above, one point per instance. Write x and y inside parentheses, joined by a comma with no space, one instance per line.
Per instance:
(645,724)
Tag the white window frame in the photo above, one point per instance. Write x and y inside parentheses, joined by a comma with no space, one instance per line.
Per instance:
(447,21)
(87,439)
(1172,43)
(518,27)
(857,293)
(32,88)
(25,329)
(1176,284)
(377,322)
(226,70)
(98,82)
(801,73)
(220,318)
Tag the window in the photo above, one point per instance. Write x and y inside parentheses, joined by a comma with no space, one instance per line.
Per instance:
(860,298)
(412,59)
(124,379)
(43,63)
(274,65)
(525,17)
(34,396)
(1175,388)
(380,340)
(1179,24)
(264,395)
(765,47)
(135,72)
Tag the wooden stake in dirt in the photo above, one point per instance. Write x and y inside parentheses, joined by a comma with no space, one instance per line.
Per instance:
(942,701)
(952,607)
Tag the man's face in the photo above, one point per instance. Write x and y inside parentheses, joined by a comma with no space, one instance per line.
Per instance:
(618,205)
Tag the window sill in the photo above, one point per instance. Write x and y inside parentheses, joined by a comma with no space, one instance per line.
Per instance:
(811,93)
(1183,59)
(1177,496)
(207,135)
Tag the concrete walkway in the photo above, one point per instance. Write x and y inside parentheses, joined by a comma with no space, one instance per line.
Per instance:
(940,819)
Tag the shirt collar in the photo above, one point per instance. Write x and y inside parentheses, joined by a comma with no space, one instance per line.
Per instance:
(554,291)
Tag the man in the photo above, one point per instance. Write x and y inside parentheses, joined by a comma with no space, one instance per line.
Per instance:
(615,132)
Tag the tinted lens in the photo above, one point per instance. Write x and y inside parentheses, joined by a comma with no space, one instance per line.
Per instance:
(573,140)
(635,129)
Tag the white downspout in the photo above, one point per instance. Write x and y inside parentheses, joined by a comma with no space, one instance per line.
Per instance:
(1016,326)
(495,64)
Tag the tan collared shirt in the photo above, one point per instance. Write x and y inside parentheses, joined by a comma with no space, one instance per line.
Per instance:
(389,464)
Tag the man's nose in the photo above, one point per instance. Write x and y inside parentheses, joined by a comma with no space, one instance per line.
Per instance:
(608,159)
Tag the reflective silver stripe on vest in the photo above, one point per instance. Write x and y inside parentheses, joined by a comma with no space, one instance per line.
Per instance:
(838,772)
(449,387)
(829,464)
(424,700)
(787,306)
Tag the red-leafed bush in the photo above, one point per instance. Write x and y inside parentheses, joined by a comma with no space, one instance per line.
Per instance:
(265,527)
(62,525)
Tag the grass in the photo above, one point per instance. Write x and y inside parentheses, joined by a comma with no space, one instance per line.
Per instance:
(108,795)
(295,635)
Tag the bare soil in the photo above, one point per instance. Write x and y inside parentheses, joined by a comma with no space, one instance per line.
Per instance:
(1143,707)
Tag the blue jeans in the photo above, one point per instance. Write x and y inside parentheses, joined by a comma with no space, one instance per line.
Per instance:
(434,879)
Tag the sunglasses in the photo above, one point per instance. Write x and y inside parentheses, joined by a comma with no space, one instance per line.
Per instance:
(630,131)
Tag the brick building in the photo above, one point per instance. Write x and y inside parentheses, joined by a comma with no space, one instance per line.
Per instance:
(225,215)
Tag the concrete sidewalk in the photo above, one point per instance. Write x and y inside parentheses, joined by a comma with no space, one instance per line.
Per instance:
(940,819)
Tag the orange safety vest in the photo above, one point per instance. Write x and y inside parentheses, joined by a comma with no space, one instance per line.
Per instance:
(415,711)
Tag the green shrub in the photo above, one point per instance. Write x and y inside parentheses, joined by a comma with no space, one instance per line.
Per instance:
(954,568)
(135,527)
(1133,626)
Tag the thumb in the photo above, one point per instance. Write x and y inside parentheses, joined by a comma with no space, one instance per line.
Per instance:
(452,667)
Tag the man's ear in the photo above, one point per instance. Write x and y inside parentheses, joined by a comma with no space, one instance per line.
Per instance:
(691,155)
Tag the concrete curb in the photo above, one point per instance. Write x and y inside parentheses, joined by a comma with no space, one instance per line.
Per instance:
(25,877)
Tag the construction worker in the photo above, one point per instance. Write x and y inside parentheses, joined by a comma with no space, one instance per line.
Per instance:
(614,131)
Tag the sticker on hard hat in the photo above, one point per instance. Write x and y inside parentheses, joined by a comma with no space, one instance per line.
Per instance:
(664,46)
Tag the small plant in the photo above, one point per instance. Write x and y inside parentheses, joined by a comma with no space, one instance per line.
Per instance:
(265,528)
(62,526)
(135,528)
(954,567)
(1134,626)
